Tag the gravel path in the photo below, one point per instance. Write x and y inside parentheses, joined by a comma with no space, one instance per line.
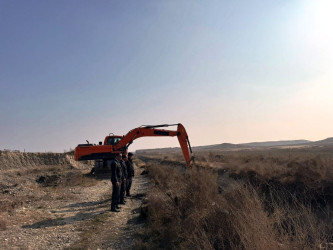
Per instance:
(83,221)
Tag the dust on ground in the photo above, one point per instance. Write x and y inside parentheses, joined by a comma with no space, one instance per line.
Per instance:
(61,207)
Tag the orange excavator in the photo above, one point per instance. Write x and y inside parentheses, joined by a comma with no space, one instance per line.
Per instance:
(114,144)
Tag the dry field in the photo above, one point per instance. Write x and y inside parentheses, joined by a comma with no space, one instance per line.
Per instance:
(49,201)
(277,198)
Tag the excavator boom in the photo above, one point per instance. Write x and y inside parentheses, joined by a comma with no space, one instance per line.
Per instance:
(95,152)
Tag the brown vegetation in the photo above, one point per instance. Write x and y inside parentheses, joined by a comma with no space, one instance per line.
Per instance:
(268,199)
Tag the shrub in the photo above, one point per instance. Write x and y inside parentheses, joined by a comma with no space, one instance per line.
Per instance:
(186,210)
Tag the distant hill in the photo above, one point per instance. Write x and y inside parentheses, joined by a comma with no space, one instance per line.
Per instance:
(275,143)
(324,142)
(230,146)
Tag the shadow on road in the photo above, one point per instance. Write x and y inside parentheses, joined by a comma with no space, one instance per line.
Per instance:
(62,221)
(87,204)
(84,210)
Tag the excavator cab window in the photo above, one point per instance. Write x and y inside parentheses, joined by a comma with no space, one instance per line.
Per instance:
(113,140)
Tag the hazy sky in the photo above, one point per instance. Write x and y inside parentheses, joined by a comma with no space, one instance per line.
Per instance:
(230,71)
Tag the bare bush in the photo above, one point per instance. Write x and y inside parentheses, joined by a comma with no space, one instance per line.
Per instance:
(279,201)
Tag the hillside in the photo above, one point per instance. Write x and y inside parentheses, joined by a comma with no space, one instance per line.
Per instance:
(327,141)
(250,145)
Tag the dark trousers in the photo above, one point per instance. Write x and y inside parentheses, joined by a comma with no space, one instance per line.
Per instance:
(115,195)
(122,191)
(128,186)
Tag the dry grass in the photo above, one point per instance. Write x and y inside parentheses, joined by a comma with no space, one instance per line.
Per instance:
(241,200)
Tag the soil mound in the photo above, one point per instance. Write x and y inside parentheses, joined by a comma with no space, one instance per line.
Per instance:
(15,160)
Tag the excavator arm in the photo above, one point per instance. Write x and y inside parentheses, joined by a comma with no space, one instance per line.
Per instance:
(94,152)
(144,131)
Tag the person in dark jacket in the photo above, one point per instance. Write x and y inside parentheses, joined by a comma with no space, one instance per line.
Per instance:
(130,174)
(116,179)
(123,183)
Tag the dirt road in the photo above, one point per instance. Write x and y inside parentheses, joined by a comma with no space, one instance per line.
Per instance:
(80,218)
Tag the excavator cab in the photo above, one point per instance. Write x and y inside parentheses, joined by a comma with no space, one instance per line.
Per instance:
(112,139)
(103,166)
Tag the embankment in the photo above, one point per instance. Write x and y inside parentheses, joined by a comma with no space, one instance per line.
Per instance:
(17,160)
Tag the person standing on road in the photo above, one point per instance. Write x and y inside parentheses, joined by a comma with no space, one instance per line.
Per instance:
(123,183)
(116,179)
(130,174)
